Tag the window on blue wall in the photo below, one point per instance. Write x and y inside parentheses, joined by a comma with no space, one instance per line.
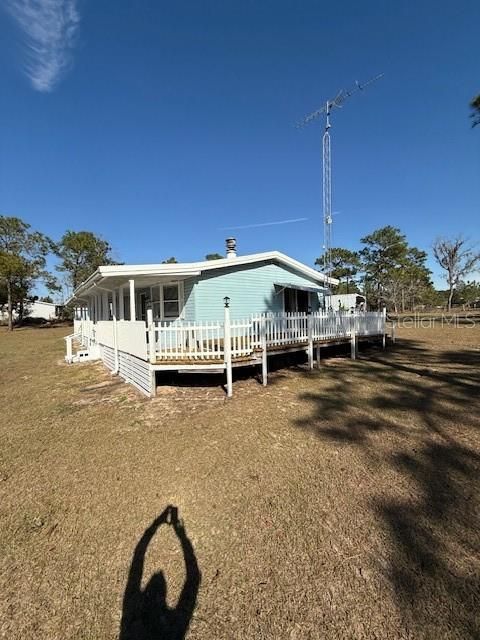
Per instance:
(166,301)
(289,300)
(296,300)
(171,301)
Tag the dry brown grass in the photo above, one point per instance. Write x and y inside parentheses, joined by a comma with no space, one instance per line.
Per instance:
(342,503)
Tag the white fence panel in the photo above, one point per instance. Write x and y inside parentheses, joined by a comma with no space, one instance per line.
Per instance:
(104,333)
(198,341)
(132,337)
(241,337)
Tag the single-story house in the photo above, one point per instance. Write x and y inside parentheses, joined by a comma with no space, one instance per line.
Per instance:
(208,316)
(269,282)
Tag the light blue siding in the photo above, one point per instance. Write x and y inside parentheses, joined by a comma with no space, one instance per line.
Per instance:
(250,288)
(189,300)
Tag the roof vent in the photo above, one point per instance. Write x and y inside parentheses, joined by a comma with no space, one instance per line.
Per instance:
(231,247)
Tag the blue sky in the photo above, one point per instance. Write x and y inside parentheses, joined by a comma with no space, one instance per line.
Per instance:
(158,125)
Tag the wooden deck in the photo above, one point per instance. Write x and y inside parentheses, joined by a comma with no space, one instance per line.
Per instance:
(135,350)
(255,358)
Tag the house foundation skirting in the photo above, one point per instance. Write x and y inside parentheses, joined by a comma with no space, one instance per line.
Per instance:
(132,369)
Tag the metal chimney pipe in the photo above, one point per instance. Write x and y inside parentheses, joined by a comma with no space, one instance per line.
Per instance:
(231,247)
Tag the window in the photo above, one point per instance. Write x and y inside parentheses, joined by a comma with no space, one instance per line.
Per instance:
(302,301)
(167,301)
(170,301)
(296,300)
(290,300)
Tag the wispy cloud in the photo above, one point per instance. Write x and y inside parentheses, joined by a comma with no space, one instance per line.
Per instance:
(264,224)
(49,28)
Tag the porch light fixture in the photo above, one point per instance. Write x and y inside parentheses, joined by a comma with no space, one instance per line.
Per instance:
(226,300)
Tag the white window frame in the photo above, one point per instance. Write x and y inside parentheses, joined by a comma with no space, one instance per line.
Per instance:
(158,288)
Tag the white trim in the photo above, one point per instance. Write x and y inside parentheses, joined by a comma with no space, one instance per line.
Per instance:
(133,316)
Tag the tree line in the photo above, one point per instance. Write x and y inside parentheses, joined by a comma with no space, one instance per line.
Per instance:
(23,263)
(392,273)
(387,269)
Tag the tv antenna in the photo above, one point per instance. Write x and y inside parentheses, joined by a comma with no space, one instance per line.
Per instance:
(338,101)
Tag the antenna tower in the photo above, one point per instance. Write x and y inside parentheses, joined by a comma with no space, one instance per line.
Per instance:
(327,163)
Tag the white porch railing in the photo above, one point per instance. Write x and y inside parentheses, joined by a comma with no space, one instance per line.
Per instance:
(85,332)
(214,344)
(201,340)
(205,341)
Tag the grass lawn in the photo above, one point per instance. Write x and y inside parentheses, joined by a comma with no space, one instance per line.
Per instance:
(342,503)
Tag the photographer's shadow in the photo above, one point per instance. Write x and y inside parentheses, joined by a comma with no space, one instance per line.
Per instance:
(146,615)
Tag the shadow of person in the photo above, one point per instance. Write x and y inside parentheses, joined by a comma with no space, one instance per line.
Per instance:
(145,614)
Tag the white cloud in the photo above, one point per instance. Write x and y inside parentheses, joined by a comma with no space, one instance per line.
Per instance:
(49,28)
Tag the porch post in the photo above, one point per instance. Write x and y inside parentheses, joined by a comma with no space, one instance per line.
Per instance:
(310,341)
(263,337)
(353,338)
(227,347)
(105,305)
(152,347)
(133,315)
(121,303)
(115,341)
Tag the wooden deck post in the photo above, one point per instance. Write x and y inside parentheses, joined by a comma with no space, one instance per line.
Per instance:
(227,347)
(384,339)
(318,356)
(152,347)
(133,315)
(69,357)
(353,340)
(263,336)
(153,383)
(310,341)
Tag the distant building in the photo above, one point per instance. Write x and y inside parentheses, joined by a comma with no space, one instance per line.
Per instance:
(345,302)
(37,309)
